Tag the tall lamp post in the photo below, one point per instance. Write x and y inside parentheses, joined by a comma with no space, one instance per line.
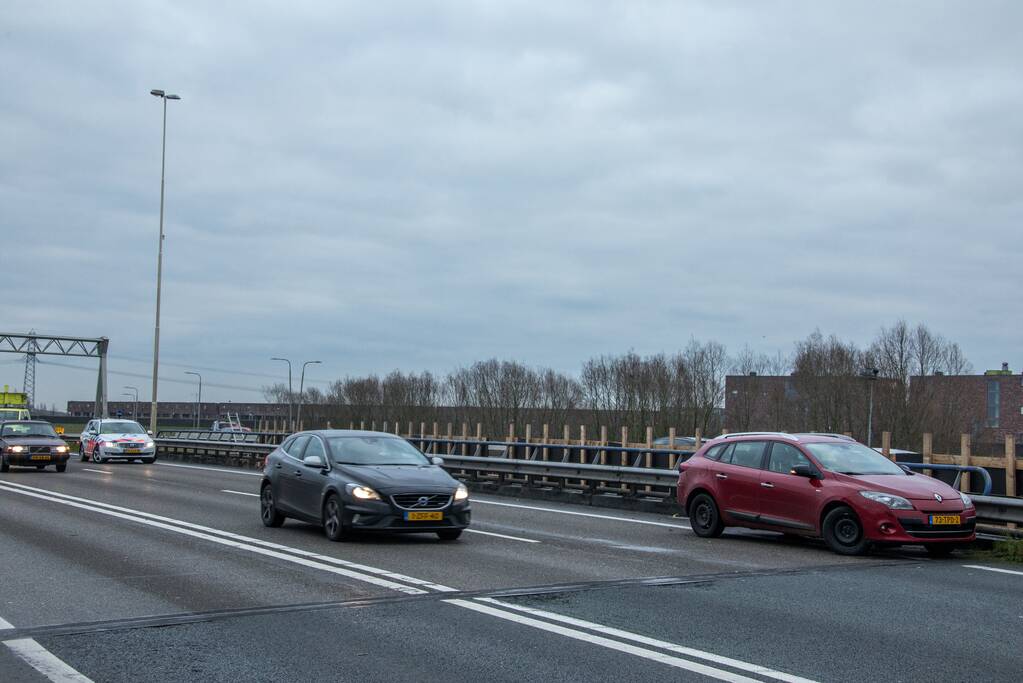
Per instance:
(290,395)
(301,384)
(159,256)
(870,374)
(135,409)
(198,403)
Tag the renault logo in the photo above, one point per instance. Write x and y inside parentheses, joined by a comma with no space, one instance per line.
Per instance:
(938,498)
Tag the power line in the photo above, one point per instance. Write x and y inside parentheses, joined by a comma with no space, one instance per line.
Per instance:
(226,371)
(139,375)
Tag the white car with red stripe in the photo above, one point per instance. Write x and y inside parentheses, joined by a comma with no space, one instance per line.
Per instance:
(104,440)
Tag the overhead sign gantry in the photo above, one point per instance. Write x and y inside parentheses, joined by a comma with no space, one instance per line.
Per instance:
(47,345)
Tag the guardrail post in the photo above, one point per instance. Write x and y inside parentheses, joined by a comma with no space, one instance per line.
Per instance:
(1010,467)
(886,445)
(964,459)
(927,452)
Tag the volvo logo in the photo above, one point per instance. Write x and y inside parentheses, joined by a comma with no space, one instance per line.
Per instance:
(938,498)
(425,500)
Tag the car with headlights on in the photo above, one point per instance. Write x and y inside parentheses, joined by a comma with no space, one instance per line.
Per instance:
(361,481)
(31,443)
(104,440)
(823,486)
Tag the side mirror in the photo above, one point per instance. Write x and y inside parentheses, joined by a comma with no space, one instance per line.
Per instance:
(907,470)
(805,471)
(438,461)
(313,461)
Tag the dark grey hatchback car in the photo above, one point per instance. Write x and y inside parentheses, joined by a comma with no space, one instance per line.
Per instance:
(347,481)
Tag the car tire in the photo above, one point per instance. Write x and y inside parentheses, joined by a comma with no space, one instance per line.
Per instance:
(4,465)
(81,453)
(843,532)
(333,518)
(62,467)
(449,534)
(268,511)
(939,550)
(148,461)
(705,518)
(96,457)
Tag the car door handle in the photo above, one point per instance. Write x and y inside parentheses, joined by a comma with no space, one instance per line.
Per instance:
(767,484)
(721,476)
(278,465)
(298,473)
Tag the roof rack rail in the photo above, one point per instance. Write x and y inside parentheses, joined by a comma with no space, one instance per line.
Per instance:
(785,435)
(844,437)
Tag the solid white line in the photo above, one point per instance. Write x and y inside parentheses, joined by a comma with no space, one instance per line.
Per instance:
(581,514)
(239,493)
(664,645)
(5,625)
(372,575)
(86,469)
(660,657)
(211,469)
(44,661)
(993,569)
(510,538)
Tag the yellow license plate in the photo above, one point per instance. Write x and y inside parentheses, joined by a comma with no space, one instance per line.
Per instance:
(132,450)
(424,516)
(945,519)
(40,457)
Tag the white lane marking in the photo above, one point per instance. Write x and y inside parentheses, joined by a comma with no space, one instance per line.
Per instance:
(5,625)
(510,538)
(660,657)
(664,645)
(239,493)
(582,514)
(211,469)
(374,575)
(86,469)
(44,661)
(993,569)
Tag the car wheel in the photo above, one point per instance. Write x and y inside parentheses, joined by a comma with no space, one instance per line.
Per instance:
(148,461)
(449,534)
(4,465)
(939,550)
(81,453)
(843,532)
(705,518)
(332,519)
(62,467)
(268,511)
(96,457)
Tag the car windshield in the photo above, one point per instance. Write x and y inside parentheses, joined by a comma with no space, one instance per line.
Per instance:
(126,427)
(29,429)
(374,450)
(852,458)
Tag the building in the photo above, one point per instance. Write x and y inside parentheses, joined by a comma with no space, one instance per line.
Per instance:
(992,403)
(208,411)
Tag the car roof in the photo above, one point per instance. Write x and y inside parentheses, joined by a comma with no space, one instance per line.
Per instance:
(349,432)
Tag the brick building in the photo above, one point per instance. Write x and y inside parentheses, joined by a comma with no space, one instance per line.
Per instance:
(184,410)
(994,400)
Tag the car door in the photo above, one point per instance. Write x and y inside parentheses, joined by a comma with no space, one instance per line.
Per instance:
(738,479)
(88,438)
(288,493)
(308,481)
(787,500)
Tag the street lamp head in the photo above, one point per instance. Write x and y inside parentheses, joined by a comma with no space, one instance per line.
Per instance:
(173,97)
(158,93)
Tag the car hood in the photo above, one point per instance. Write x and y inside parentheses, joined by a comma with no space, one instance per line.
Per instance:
(33,441)
(388,478)
(124,437)
(914,487)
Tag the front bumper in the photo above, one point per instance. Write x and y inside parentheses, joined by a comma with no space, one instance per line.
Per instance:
(126,453)
(382,516)
(34,459)
(914,527)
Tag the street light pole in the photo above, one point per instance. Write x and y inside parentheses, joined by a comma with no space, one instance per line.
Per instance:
(135,409)
(301,384)
(871,376)
(159,257)
(198,403)
(290,395)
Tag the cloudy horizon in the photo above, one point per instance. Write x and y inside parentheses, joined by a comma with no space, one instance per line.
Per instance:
(418,186)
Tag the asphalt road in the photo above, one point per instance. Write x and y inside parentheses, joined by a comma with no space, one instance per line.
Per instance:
(165,573)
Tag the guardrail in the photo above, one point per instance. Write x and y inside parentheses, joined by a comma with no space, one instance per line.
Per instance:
(549,466)
(984,474)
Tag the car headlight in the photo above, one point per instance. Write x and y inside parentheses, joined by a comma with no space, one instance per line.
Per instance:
(461,493)
(149,444)
(967,501)
(61,449)
(15,449)
(892,501)
(362,492)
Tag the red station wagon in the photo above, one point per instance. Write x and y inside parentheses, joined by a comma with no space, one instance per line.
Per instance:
(823,486)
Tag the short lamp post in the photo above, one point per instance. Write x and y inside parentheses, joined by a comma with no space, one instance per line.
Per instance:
(198,402)
(301,384)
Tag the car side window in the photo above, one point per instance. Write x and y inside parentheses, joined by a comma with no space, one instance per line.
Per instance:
(297,446)
(715,452)
(726,454)
(315,447)
(748,453)
(784,457)
(286,446)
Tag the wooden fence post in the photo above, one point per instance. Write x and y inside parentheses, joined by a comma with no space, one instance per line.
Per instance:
(625,444)
(479,431)
(465,437)
(567,436)
(886,445)
(699,438)
(1010,465)
(964,459)
(927,453)
(672,459)
(448,448)
(603,442)
(546,438)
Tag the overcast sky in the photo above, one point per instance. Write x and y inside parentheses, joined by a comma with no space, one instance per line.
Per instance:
(419,185)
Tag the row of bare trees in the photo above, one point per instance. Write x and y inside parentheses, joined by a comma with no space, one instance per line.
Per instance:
(824,385)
